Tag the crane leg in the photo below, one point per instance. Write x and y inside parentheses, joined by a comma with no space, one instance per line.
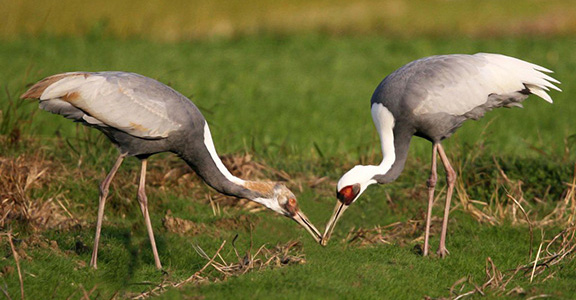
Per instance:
(431,185)
(143,200)
(104,188)
(450,181)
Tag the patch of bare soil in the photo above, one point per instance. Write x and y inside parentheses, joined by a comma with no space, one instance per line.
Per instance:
(24,245)
(181,226)
(239,222)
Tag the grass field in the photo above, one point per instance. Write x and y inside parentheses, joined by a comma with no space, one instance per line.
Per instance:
(294,107)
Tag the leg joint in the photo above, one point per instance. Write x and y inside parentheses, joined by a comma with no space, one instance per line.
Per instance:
(431,182)
(451,176)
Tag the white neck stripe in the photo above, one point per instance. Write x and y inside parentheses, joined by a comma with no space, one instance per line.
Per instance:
(209,143)
(384,121)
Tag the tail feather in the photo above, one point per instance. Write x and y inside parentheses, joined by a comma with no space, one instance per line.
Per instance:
(533,76)
(36,91)
(540,92)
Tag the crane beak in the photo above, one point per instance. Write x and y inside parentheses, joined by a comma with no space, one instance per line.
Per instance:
(338,212)
(301,219)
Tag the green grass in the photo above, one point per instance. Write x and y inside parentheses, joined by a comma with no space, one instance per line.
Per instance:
(299,104)
(277,88)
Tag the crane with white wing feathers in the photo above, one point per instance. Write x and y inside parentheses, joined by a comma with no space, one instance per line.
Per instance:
(142,116)
(431,98)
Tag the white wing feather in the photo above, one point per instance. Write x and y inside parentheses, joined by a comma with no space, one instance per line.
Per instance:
(465,81)
(118,100)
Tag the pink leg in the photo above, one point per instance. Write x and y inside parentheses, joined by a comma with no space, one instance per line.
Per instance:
(104,186)
(431,185)
(143,200)
(450,181)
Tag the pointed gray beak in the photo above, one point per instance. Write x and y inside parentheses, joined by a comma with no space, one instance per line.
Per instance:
(301,219)
(338,212)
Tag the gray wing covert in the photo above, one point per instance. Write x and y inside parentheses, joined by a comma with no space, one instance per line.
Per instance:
(129,102)
(458,84)
(453,84)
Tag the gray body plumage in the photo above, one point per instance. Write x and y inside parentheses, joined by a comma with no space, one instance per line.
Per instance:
(433,96)
(142,116)
(147,132)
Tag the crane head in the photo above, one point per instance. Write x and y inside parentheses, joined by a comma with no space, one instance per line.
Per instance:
(349,188)
(281,200)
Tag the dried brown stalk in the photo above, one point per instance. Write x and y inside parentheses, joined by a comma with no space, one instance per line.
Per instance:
(17,260)
(280,255)
(196,277)
(559,248)
(410,231)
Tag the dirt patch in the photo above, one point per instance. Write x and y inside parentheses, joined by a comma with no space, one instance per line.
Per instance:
(244,222)
(181,226)
(187,227)
(30,243)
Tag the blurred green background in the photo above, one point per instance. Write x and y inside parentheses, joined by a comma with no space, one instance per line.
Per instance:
(189,20)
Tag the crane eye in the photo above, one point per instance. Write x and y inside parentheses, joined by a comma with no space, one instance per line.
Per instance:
(348,193)
(292,206)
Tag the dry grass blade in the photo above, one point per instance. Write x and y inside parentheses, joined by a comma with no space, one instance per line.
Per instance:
(561,247)
(564,214)
(18,177)
(535,261)
(498,209)
(196,277)
(264,257)
(17,260)
(469,205)
(530,227)
(402,233)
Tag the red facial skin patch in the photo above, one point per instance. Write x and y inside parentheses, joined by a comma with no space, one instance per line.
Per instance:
(347,194)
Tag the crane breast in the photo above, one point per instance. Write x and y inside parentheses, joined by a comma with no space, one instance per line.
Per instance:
(129,102)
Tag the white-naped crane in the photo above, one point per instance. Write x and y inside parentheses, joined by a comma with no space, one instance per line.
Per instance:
(142,116)
(431,98)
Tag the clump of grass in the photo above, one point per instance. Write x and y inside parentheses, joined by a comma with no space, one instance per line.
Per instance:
(19,176)
(264,258)
(559,250)
(14,120)
(508,203)
(402,233)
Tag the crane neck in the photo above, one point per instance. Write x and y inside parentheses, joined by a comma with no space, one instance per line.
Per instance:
(395,141)
(204,160)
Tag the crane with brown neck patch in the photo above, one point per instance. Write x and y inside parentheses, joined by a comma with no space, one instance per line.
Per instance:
(142,117)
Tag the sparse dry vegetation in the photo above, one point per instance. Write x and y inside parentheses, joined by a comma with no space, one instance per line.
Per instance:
(263,258)
(213,245)
(19,176)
